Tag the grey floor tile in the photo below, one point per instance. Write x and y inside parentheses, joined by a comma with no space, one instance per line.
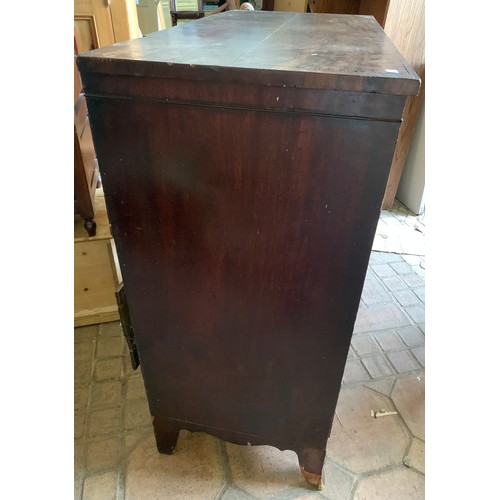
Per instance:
(413,280)
(262,482)
(416,313)
(416,456)
(383,270)
(109,346)
(79,423)
(395,284)
(81,396)
(135,387)
(383,385)
(83,350)
(105,422)
(137,413)
(402,361)
(419,353)
(411,335)
(395,484)
(401,268)
(390,257)
(193,472)
(106,394)
(100,486)
(85,333)
(111,329)
(108,368)
(420,293)
(354,372)
(83,370)
(407,298)
(408,395)
(380,317)
(363,344)
(389,340)
(351,354)
(338,482)
(376,258)
(103,454)
(360,442)
(377,366)
(234,493)
(374,292)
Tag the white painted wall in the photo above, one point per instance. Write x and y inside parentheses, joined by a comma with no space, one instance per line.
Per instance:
(412,184)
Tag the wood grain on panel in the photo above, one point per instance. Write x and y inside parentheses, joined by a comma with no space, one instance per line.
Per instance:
(375,8)
(102,22)
(125,22)
(86,34)
(405,27)
(290,5)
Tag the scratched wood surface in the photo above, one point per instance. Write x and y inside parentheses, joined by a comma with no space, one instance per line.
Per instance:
(337,52)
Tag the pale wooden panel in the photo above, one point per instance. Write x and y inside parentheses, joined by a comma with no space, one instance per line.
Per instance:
(375,8)
(77,80)
(101,14)
(94,280)
(405,26)
(96,316)
(181,5)
(150,15)
(165,6)
(86,33)
(125,20)
(290,5)
(95,273)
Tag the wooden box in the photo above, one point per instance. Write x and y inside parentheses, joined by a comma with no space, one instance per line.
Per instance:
(96,276)
(244,158)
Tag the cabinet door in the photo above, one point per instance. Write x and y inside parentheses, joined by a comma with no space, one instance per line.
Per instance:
(93,25)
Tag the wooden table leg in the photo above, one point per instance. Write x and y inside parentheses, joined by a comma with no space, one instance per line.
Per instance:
(166,435)
(311,462)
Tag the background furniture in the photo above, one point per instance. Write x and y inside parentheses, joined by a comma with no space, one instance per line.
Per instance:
(193,9)
(86,170)
(96,272)
(96,23)
(186,9)
(243,261)
(150,16)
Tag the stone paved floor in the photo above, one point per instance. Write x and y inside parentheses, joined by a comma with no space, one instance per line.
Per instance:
(367,458)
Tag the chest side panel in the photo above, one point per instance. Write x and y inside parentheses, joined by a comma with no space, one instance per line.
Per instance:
(243,238)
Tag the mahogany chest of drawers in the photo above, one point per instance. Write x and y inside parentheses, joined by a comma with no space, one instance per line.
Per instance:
(244,158)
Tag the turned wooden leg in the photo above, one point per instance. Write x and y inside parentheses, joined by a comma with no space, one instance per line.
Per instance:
(90,226)
(311,462)
(166,435)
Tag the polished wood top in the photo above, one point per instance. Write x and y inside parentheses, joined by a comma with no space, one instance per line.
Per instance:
(323,51)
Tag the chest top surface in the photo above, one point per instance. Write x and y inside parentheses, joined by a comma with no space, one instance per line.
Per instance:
(324,51)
